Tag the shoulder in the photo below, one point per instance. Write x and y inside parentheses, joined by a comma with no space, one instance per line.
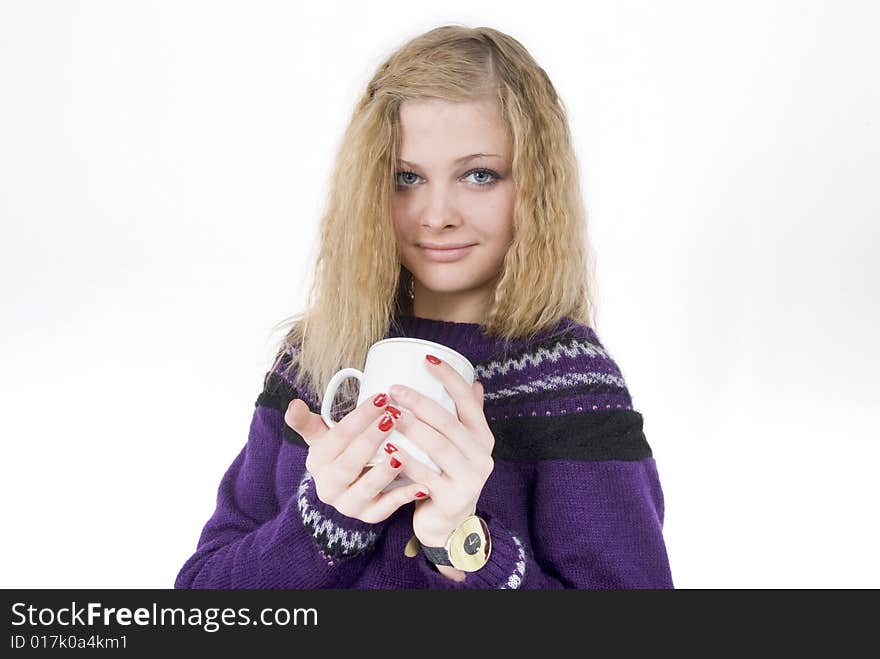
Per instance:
(561,395)
(280,384)
(556,373)
(280,387)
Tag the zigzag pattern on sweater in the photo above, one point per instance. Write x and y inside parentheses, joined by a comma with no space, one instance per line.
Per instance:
(569,375)
(334,542)
(564,373)
(556,383)
(516,579)
(573,348)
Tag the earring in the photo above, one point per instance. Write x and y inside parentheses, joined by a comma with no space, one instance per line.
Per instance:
(412,295)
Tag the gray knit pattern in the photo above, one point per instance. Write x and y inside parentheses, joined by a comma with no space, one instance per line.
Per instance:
(542,358)
(335,542)
(569,376)
(573,374)
(570,349)
(516,579)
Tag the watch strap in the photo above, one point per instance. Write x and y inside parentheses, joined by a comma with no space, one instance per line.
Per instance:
(467,548)
(437,555)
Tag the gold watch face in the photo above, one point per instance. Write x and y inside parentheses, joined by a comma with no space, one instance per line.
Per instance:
(470,545)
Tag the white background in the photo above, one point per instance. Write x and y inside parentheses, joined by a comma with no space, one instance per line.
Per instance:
(163,168)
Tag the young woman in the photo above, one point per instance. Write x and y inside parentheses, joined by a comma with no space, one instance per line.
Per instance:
(455,216)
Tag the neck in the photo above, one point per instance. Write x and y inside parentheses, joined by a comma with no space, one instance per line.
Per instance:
(463,307)
(466,338)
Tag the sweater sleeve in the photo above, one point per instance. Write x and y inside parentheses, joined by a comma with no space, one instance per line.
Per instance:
(599,524)
(508,564)
(270,529)
(596,510)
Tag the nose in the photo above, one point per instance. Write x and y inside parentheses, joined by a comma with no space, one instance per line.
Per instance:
(440,209)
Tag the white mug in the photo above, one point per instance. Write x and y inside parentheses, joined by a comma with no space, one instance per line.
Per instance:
(400,361)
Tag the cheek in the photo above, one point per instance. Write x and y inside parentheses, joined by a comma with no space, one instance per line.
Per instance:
(498,217)
(502,199)
(398,222)
(401,215)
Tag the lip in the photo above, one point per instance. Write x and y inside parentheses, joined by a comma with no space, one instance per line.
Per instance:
(446,255)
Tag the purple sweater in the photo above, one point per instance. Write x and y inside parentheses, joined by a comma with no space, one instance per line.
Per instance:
(574,500)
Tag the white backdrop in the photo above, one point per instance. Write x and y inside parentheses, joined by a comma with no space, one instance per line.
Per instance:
(163,168)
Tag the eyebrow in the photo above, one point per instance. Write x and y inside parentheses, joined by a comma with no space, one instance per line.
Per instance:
(457,161)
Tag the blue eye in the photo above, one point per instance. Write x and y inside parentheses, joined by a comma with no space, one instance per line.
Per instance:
(487,172)
(399,174)
(409,182)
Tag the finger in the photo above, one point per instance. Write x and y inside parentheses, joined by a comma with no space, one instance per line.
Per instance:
(300,418)
(366,493)
(419,472)
(470,412)
(364,447)
(353,424)
(388,502)
(480,393)
(439,434)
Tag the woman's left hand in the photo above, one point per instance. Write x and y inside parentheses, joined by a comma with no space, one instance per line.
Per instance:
(461,447)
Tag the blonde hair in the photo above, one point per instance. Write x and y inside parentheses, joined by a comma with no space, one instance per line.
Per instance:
(359,283)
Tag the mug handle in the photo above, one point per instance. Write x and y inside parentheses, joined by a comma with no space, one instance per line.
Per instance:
(330,392)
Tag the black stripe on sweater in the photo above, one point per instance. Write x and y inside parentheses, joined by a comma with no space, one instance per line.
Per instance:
(588,436)
(277,394)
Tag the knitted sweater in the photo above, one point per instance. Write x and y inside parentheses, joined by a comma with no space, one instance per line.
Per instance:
(574,500)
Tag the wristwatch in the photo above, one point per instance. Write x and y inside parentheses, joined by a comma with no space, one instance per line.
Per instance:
(467,548)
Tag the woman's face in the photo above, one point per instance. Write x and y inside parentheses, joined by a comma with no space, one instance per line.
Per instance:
(444,197)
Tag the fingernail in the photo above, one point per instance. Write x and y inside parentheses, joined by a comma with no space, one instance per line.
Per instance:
(395,463)
(420,495)
(393,411)
(386,422)
(432,359)
(380,400)
(390,448)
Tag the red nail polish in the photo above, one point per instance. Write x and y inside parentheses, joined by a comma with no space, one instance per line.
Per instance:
(386,422)
(393,411)
(420,495)
(380,400)
(395,463)
(390,448)
(432,359)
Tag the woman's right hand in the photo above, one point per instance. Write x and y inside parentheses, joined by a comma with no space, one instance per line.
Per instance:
(338,456)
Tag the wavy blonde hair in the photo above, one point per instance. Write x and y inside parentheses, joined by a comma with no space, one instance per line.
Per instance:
(359,282)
